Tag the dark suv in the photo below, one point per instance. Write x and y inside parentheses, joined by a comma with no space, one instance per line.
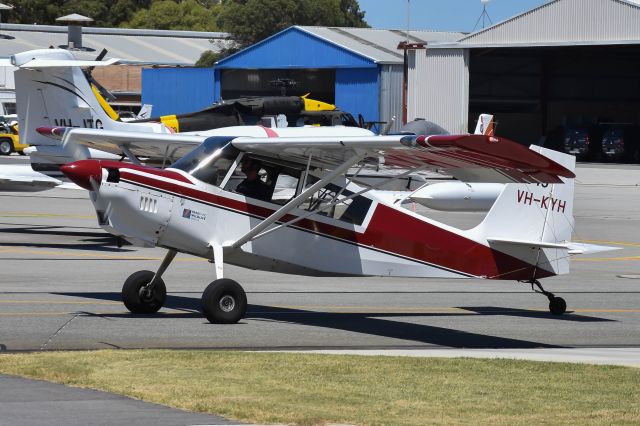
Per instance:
(576,141)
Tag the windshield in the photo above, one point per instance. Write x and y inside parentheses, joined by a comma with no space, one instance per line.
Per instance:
(210,161)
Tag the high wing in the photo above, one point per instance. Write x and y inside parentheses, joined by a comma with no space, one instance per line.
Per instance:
(470,158)
(140,144)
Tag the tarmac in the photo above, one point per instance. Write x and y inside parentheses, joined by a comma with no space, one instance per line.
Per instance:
(61,277)
(37,403)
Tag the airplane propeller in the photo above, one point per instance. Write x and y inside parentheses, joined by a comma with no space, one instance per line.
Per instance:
(89,74)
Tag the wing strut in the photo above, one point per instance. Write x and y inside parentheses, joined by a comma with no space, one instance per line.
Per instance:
(335,202)
(296,201)
(129,154)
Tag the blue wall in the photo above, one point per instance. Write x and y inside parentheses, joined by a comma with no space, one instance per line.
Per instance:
(177,90)
(357,92)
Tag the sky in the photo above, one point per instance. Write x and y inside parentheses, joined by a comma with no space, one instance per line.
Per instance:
(442,15)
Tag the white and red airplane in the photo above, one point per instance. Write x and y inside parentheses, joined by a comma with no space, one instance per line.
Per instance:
(331,226)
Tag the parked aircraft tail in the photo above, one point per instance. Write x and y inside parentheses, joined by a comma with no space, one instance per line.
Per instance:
(534,222)
(485,125)
(52,90)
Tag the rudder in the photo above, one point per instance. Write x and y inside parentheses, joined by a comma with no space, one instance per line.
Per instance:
(534,222)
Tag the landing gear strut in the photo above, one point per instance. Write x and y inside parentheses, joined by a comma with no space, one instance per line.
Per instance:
(557,305)
(145,292)
(224,301)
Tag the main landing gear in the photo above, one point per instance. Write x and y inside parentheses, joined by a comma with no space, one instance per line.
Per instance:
(557,305)
(224,301)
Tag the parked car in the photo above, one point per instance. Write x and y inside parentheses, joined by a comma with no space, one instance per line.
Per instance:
(613,142)
(576,141)
(9,139)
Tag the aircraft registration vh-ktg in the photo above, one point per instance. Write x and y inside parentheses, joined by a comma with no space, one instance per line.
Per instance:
(219,202)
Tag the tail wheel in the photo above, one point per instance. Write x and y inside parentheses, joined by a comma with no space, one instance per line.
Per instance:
(6,146)
(139,299)
(224,302)
(557,305)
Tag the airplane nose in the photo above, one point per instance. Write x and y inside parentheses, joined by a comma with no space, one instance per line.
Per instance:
(84,173)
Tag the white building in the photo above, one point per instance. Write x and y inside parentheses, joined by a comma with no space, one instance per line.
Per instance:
(565,63)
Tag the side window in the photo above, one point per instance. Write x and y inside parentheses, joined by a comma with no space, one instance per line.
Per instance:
(353,210)
(252,179)
(210,161)
(285,187)
(214,172)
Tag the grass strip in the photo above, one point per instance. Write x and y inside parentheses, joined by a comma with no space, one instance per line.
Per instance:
(318,389)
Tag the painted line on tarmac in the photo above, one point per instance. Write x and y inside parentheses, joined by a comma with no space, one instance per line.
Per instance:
(171,312)
(49,302)
(431,310)
(380,308)
(183,259)
(607,259)
(33,214)
(93,254)
(458,311)
(617,243)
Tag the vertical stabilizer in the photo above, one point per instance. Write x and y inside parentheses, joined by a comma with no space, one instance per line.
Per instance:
(52,90)
(534,222)
(485,125)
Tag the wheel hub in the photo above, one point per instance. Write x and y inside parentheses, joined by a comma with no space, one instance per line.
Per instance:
(146,294)
(227,303)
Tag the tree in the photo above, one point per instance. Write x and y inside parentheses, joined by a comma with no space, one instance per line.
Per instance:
(189,15)
(41,12)
(351,14)
(250,21)
(209,58)
(45,12)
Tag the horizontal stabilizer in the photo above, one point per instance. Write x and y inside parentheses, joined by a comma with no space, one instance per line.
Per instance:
(582,248)
(53,63)
(573,248)
(532,244)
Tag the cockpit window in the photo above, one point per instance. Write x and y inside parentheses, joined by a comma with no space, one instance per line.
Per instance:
(337,202)
(209,162)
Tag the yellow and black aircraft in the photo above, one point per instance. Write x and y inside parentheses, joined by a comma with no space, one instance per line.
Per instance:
(299,110)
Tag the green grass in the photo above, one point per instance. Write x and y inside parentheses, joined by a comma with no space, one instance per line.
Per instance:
(318,389)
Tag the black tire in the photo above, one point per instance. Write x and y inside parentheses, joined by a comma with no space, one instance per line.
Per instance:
(224,302)
(136,301)
(557,306)
(6,146)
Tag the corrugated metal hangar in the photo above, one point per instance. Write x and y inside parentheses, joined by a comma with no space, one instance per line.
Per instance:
(358,69)
(564,66)
(568,66)
(131,45)
(137,48)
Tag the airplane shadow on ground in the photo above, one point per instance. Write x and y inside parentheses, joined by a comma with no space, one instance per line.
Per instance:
(372,323)
(96,241)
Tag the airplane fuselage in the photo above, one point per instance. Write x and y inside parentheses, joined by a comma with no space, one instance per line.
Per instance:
(171,209)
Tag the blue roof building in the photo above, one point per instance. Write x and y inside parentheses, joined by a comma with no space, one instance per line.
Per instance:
(358,69)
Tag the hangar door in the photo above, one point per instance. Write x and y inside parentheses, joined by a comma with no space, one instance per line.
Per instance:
(236,83)
(584,100)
